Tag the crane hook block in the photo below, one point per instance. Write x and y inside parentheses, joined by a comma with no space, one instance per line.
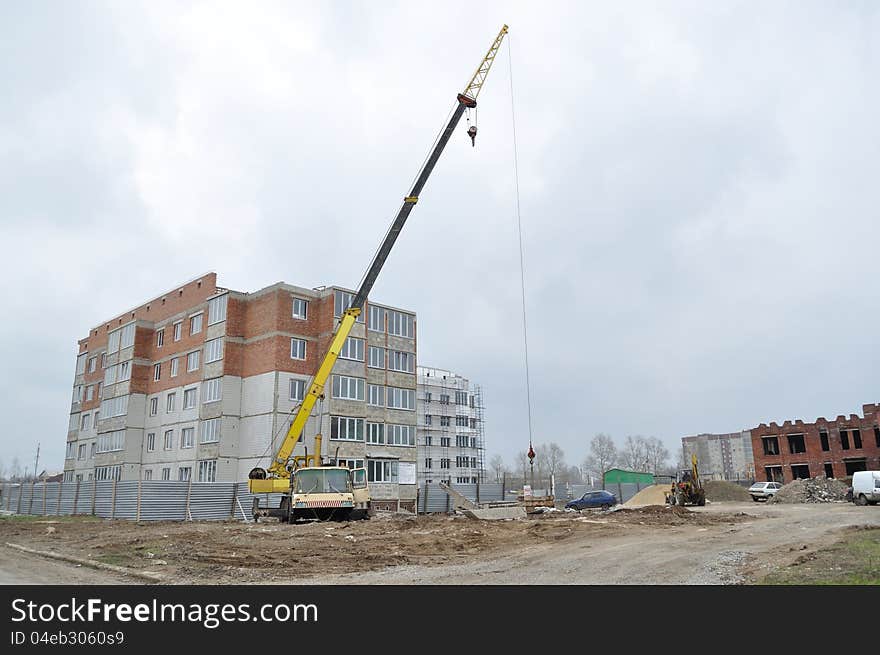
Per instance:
(472,133)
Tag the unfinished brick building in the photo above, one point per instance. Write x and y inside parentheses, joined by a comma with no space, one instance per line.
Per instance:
(835,448)
(199,384)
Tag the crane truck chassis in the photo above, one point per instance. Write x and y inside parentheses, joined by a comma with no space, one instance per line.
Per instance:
(309,487)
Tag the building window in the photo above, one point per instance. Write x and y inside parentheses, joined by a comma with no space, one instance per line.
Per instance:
(342,301)
(177,330)
(877,435)
(71,450)
(300,308)
(377,357)
(93,448)
(857,438)
(170,399)
(462,421)
(151,442)
(461,398)
(184,473)
(187,437)
(213,350)
(427,419)
(428,463)
(100,389)
(401,361)
(771,446)
(108,472)
(400,324)
(829,470)
(175,365)
(93,364)
(208,470)
(124,371)
(189,398)
(427,396)
(844,440)
(376,433)
(81,452)
(90,392)
(169,440)
(195,323)
(347,388)
(160,338)
(401,435)
(444,421)
(117,406)
(376,395)
(444,462)
(444,442)
(346,428)
(796,443)
(823,440)
(461,441)
(217,309)
(351,463)
(773,473)
(379,470)
(297,348)
(401,398)
(444,399)
(297,389)
(210,431)
(800,472)
(148,474)
(166,473)
(429,440)
(110,442)
(353,348)
(211,390)
(192,361)
(154,406)
(157,372)
(377,319)
(85,422)
(103,360)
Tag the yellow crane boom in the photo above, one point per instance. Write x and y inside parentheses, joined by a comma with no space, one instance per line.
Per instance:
(277,477)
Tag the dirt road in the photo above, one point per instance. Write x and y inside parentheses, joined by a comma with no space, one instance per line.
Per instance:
(21,568)
(725,542)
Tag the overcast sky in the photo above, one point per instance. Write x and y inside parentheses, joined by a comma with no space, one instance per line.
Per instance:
(698,180)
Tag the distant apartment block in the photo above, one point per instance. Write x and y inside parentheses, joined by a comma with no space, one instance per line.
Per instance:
(451,445)
(722,456)
(836,448)
(201,384)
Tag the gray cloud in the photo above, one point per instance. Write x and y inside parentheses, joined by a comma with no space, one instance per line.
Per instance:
(698,192)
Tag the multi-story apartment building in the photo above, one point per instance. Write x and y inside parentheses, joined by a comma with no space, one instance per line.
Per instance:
(836,448)
(722,456)
(450,428)
(202,383)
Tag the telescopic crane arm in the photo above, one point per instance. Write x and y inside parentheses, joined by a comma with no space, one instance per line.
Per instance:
(277,473)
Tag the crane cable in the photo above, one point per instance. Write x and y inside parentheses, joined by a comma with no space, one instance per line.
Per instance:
(522,275)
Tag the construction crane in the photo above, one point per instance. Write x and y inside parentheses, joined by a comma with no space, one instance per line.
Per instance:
(309,489)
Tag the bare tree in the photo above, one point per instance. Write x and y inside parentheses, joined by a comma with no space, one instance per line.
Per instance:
(603,456)
(551,459)
(656,455)
(633,455)
(497,467)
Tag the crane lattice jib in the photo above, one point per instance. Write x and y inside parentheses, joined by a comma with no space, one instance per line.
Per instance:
(472,90)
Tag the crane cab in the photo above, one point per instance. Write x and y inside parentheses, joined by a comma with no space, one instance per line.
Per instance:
(322,493)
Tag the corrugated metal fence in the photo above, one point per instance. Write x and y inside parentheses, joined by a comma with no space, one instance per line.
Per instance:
(152,500)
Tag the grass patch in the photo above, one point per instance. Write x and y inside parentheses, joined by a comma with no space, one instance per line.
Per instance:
(854,560)
(118,559)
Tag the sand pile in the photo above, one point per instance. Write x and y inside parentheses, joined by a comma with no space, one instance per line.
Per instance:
(653,495)
(723,490)
(811,490)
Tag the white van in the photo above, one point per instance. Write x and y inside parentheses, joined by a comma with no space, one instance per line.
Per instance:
(866,487)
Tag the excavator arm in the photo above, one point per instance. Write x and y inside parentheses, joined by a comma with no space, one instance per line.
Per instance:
(277,477)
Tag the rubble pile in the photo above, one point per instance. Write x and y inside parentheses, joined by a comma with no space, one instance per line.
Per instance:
(723,490)
(811,490)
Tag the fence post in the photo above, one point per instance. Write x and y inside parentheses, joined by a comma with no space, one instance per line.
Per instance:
(425,501)
(20,487)
(503,485)
(620,493)
(113,505)
(234,499)
(478,493)
(45,484)
(31,504)
(58,504)
(138,512)
(75,498)
(188,494)
(447,496)
(94,494)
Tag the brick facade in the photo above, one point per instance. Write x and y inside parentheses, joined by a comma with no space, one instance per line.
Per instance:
(835,448)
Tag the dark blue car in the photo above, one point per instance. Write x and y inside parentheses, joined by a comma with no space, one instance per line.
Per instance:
(603,499)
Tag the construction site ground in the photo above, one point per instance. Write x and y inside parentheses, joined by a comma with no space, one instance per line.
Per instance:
(724,542)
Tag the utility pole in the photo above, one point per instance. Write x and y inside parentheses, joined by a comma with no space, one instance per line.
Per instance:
(36,460)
